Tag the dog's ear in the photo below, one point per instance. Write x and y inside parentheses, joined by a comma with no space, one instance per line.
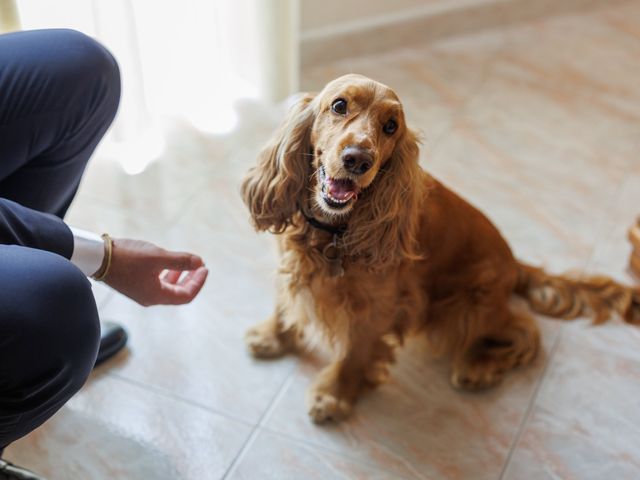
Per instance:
(273,189)
(383,228)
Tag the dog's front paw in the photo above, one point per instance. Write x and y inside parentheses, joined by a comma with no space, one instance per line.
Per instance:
(263,343)
(324,407)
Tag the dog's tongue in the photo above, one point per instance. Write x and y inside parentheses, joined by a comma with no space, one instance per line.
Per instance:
(342,189)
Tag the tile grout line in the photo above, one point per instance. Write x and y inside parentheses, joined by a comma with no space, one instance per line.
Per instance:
(530,408)
(543,377)
(261,426)
(163,393)
(257,426)
(105,301)
(600,236)
(554,348)
(242,452)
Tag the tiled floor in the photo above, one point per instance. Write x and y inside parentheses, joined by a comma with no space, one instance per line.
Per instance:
(539,125)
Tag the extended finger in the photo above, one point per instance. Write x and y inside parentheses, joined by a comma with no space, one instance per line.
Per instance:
(184,292)
(171,276)
(188,277)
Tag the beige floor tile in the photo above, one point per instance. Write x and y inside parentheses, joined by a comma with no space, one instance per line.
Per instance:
(115,430)
(611,257)
(536,211)
(417,425)
(434,82)
(543,148)
(101,293)
(273,457)
(196,352)
(586,420)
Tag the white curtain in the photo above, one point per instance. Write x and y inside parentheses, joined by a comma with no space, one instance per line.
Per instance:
(191,59)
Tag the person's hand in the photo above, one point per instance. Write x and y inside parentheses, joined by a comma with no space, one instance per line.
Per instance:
(151,275)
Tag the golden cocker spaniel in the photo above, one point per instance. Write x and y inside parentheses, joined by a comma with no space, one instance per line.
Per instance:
(374,248)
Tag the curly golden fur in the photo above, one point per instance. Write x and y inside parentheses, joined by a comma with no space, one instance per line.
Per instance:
(415,256)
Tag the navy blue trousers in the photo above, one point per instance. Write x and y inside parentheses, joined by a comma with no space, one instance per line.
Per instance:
(59,92)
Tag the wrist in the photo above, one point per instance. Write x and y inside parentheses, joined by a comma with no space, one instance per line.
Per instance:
(88,251)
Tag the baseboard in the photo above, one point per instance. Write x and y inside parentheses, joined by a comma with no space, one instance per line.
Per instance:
(427,24)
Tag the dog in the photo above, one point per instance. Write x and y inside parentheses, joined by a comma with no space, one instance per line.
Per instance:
(373,248)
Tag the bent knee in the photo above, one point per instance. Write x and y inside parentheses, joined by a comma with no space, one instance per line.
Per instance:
(71,308)
(87,52)
(50,309)
(79,60)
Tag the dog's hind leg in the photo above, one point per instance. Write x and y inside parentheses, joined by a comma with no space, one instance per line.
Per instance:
(512,344)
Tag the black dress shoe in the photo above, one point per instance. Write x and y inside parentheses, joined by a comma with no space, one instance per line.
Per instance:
(9,471)
(113,338)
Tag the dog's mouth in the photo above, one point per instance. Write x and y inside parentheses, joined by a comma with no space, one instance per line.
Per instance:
(337,193)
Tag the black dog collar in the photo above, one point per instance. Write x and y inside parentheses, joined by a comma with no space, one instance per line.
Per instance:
(335,230)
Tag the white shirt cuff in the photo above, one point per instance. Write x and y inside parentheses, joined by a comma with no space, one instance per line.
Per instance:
(88,251)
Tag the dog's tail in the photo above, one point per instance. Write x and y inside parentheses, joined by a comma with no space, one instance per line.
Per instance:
(565,297)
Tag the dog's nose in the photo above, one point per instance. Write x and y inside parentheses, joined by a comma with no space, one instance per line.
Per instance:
(356,160)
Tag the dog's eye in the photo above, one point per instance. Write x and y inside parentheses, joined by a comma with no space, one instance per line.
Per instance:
(390,127)
(339,106)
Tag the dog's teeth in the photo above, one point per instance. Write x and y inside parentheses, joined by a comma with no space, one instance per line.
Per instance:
(334,199)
